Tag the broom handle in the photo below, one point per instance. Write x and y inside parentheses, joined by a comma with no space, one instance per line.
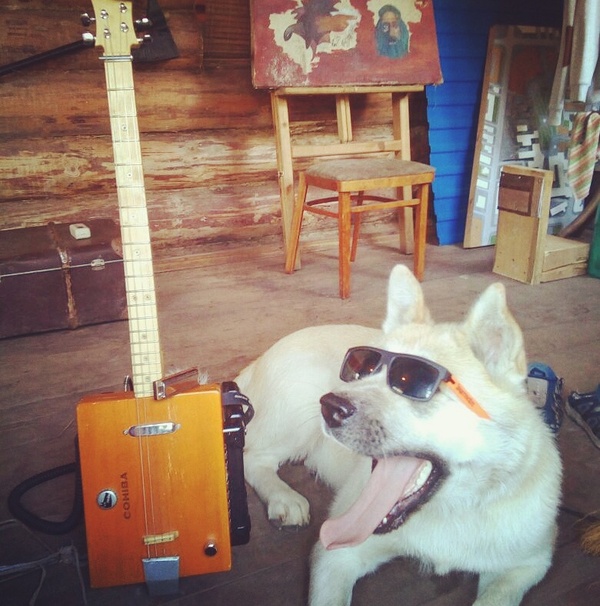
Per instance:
(55,52)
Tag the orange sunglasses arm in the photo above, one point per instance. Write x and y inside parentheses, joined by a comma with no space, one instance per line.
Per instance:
(466,398)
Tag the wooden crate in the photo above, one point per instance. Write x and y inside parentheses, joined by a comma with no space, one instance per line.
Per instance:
(524,249)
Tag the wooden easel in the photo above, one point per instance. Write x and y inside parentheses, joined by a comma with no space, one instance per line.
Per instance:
(288,151)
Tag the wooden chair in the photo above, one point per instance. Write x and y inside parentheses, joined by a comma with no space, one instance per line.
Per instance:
(348,167)
(361,175)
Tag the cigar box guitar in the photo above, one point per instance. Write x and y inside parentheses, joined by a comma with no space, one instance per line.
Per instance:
(161,467)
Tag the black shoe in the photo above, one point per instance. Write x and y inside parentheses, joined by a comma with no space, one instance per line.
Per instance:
(584,409)
(577,397)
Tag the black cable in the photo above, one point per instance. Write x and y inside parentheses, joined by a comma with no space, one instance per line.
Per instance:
(21,513)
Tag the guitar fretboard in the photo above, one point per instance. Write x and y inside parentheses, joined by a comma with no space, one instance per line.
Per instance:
(135,231)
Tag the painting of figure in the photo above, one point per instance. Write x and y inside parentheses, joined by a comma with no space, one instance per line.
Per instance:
(391,33)
(343,42)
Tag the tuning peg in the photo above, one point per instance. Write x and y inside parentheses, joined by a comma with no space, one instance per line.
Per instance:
(142,24)
(88,39)
(86,20)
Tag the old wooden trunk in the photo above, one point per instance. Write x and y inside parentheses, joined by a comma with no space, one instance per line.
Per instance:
(51,280)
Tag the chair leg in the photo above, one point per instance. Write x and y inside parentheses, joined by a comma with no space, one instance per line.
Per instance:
(294,238)
(421,231)
(344,225)
(405,222)
(356,219)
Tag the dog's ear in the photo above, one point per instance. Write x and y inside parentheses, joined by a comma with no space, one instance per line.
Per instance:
(495,336)
(405,303)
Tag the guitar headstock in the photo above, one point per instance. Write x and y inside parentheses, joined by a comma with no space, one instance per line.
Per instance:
(115,31)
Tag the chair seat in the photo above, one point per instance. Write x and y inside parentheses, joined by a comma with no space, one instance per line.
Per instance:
(352,174)
(349,176)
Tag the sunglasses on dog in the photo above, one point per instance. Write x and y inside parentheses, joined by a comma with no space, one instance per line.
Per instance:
(413,377)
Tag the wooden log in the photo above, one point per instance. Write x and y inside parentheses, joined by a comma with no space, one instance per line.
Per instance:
(84,166)
(193,217)
(66,104)
(68,4)
(63,104)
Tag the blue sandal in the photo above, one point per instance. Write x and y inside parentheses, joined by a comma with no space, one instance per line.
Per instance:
(545,391)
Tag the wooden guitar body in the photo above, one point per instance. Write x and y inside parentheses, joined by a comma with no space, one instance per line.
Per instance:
(152,493)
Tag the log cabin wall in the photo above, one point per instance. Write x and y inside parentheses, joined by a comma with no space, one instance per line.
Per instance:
(206,133)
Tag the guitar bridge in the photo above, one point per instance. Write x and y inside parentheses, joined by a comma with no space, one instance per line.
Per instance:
(157,539)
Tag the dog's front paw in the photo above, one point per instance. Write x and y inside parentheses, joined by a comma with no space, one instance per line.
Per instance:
(289,510)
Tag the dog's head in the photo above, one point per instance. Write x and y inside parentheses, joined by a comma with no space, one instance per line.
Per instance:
(452,408)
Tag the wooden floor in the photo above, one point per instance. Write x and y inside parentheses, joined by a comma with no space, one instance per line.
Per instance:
(219,314)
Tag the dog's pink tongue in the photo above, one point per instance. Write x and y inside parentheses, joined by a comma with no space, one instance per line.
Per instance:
(386,486)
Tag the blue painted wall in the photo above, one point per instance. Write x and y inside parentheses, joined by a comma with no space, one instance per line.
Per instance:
(453,107)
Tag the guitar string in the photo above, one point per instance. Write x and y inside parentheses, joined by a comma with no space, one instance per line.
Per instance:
(118,74)
(151,353)
(144,336)
(141,285)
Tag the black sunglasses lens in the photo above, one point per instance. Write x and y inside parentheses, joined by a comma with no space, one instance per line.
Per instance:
(413,378)
(360,363)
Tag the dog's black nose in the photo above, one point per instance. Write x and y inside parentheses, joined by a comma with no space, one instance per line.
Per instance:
(335,409)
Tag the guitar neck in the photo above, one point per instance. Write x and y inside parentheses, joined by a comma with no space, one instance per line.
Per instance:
(135,231)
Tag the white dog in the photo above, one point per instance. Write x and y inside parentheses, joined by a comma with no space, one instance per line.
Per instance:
(454,467)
